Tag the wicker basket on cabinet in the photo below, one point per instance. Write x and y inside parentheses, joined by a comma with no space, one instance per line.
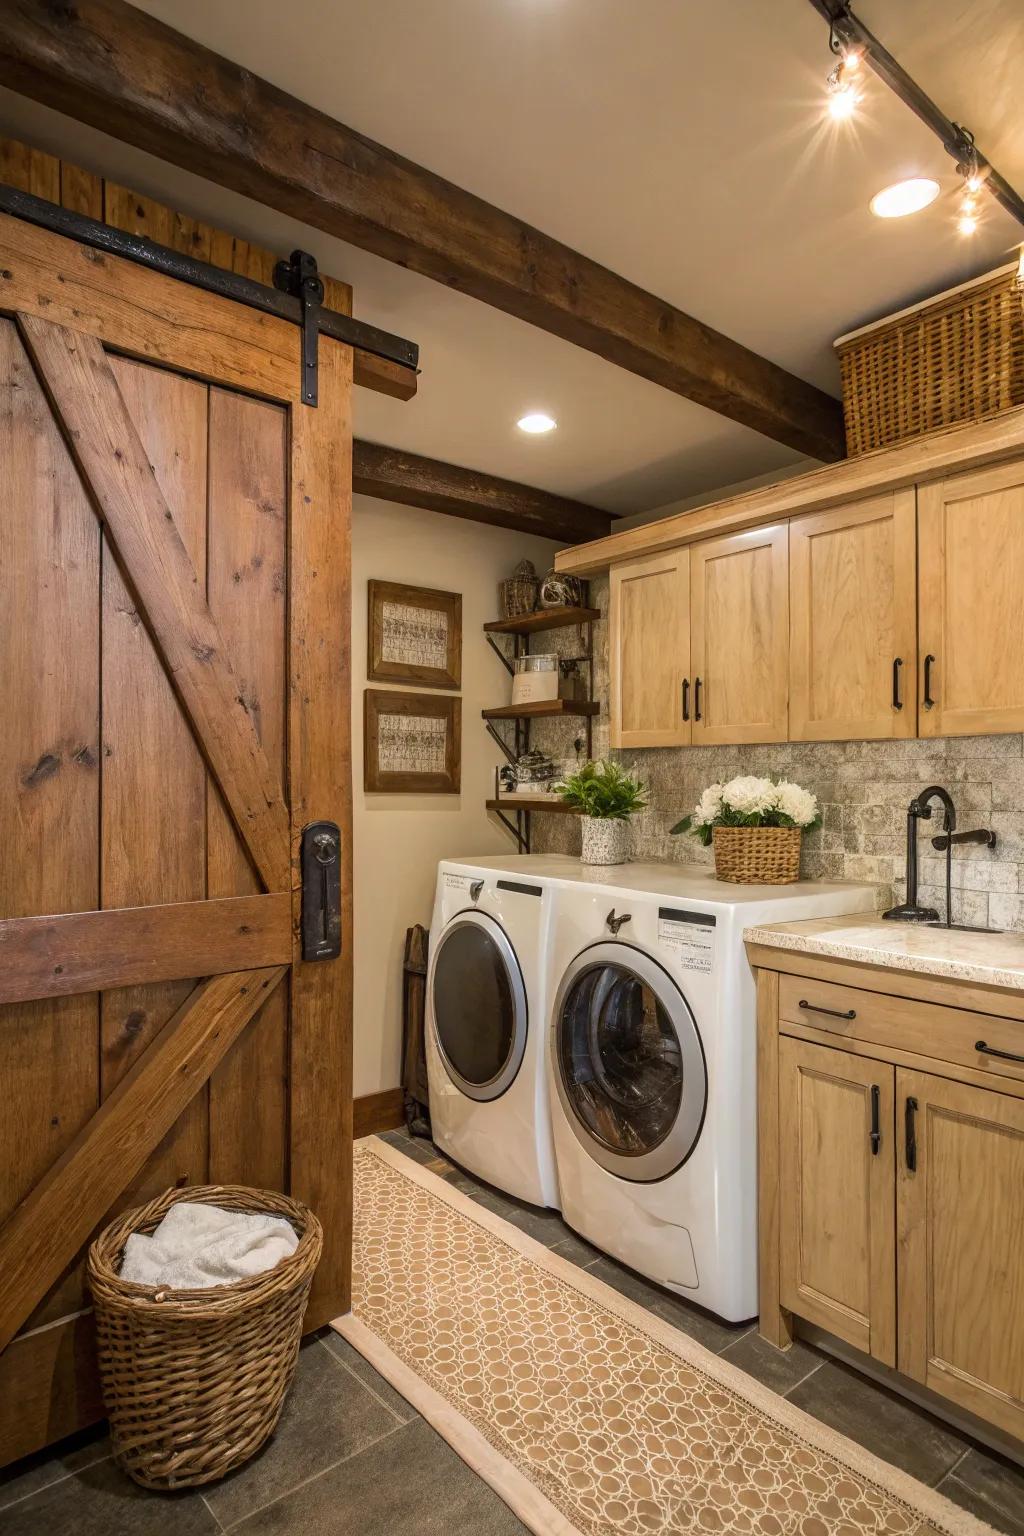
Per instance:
(757,855)
(194,1381)
(956,358)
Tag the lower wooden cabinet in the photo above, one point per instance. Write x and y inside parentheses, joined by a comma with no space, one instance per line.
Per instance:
(837,1194)
(960,1225)
(897,1223)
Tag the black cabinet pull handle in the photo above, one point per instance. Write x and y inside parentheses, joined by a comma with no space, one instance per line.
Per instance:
(897,702)
(833,1013)
(686,698)
(928,701)
(990,1050)
(876,1133)
(910,1132)
(696,698)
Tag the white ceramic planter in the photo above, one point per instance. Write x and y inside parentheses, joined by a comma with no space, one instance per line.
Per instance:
(605,841)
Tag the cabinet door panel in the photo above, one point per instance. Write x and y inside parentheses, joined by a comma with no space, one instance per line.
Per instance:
(837,1193)
(649,650)
(960,1222)
(853,608)
(971,597)
(739,606)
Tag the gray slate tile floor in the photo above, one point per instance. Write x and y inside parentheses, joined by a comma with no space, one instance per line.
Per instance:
(351,1456)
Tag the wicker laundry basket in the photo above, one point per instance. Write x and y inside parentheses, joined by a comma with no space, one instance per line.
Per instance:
(757,855)
(957,357)
(194,1381)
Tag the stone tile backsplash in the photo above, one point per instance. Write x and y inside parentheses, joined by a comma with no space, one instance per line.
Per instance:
(863,787)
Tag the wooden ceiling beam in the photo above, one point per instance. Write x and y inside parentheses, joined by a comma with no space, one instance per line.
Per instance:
(391,475)
(128,74)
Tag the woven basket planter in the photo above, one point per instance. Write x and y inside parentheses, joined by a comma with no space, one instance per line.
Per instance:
(955,358)
(757,855)
(194,1381)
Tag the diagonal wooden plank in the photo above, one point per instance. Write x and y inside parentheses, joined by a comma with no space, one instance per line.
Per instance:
(103,439)
(50,1225)
(131,946)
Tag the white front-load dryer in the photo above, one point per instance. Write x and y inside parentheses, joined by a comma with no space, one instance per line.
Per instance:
(485,1020)
(652,1061)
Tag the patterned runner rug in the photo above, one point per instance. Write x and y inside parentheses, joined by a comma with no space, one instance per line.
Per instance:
(587,1414)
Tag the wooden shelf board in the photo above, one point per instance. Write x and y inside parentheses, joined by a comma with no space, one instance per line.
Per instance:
(532,803)
(537,711)
(544,618)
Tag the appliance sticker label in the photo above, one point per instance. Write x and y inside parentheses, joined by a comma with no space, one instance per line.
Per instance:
(457,882)
(692,943)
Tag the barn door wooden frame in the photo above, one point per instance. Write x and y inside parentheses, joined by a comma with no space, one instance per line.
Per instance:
(74,307)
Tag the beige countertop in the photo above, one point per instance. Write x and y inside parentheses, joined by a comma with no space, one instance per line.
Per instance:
(990,959)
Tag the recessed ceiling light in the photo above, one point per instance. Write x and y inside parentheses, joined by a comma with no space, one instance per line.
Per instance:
(536,421)
(904,197)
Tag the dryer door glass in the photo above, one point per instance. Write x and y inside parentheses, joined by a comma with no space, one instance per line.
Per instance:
(479,1007)
(630,1064)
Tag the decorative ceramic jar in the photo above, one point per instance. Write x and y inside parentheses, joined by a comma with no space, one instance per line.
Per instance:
(558,590)
(605,840)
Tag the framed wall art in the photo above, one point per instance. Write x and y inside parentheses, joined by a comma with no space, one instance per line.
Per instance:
(415,636)
(412,743)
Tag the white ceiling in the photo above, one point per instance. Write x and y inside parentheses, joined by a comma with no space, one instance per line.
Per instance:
(679,143)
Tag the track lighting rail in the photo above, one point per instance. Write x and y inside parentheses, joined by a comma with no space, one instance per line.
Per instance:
(847,31)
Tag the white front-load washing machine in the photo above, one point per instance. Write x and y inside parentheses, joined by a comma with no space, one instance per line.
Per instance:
(485,1021)
(652,1061)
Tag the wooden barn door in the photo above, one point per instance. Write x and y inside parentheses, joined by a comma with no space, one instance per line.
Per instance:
(174,698)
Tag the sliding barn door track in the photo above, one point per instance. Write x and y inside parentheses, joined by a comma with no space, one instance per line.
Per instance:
(296,297)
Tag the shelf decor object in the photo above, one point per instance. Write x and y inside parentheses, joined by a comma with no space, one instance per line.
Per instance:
(414,635)
(517,594)
(412,743)
(521,627)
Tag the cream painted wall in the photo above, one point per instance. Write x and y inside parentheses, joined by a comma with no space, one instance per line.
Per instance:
(398,839)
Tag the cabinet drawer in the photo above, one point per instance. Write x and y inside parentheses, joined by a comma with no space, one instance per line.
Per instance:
(901,1023)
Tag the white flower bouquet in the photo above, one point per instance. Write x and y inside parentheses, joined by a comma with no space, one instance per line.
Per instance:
(755,826)
(750,802)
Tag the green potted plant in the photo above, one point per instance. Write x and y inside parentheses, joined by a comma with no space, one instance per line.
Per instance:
(755,826)
(608,796)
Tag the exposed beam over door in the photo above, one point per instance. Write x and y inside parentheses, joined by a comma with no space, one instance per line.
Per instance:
(126,73)
(393,475)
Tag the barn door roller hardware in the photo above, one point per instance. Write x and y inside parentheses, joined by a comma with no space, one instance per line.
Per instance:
(297,296)
(300,278)
(321,891)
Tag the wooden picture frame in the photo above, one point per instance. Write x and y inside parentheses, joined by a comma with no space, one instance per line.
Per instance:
(401,649)
(439,749)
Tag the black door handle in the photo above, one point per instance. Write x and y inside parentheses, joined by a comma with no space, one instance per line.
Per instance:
(990,1050)
(696,698)
(876,1132)
(833,1013)
(910,1134)
(897,702)
(928,701)
(686,698)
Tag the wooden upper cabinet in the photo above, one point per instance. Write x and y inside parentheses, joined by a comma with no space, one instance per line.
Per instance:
(971,602)
(960,1227)
(853,638)
(649,651)
(836,1194)
(739,637)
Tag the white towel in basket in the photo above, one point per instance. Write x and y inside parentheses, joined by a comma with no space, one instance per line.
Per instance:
(202,1245)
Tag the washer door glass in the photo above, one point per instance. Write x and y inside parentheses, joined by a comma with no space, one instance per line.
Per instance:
(630,1068)
(478,1003)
